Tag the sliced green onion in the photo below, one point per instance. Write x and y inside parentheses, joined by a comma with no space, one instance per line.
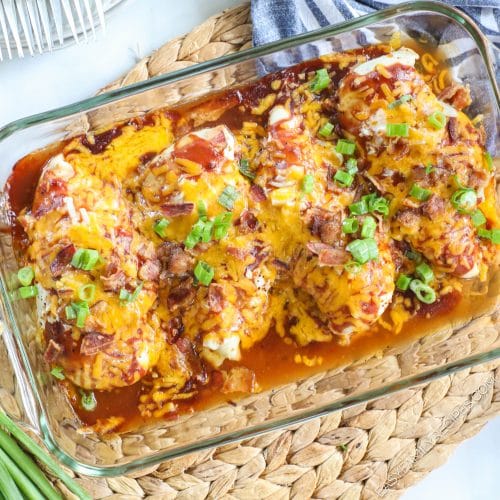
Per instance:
(326,129)
(397,130)
(85,258)
(307,184)
(350,225)
(204,272)
(228,197)
(25,275)
(478,218)
(424,272)
(363,250)
(79,311)
(352,166)
(345,147)
(245,169)
(376,204)
(222,223)
(126,296)
(57,372)
(457,182)
(429,168)
(27,292)
(420,193)
(343,178)
(160,226)
(86,292)
(412,255)
(206,233)
(489,161)
(359,208)
(464,200)
(196,233)
(368,228)
(437,120)
(88,401)
(423,292)
(403,282)
(43,457)
(490,234)
(352,267)
(202,208)
(321,80)
(398,102)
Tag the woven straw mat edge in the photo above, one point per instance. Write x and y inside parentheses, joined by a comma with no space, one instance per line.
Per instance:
(372,450)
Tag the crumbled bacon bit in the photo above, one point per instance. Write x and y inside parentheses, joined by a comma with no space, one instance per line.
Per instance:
(215,297)
(150,270)
(433,207)
(247,222)
(456,95)
(61,260)
(175,328)
(113,278)
(52,351)
(257,193)
(174,259)
(327,255)
(177,209)
(181,296)
(238,253)
(452,128)
(94,342)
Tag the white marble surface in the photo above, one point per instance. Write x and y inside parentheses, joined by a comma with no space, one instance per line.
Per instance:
(43,82)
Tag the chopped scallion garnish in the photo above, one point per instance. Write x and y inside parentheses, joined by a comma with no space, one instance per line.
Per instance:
(359,208)
(307,184)
(345,147)
(403,282)
(424,272)
(221,225)
(368,228)
(204,273)
(326,130)
(228,197)
(202,208)
(397,130)
(87,292)
(351,166)
(85,258)
(350,225)
(79,311)
(429,168)
(88,401)
(160,227)
(321,80)
(57,372)
(343,178)
(398,102)
(27,292)
(25,275)
(478,218)
(420,193)
(126,296)
(490,234)
(423,292)
(363,250)
(464,200)
(352,267)
(437,120)
(245,169)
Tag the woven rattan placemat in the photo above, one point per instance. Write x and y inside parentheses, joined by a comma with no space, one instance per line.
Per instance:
(368,451)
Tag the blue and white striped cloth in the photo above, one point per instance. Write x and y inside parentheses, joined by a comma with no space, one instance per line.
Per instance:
(276,19)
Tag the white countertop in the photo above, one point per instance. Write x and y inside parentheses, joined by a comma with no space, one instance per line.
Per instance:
(133,30)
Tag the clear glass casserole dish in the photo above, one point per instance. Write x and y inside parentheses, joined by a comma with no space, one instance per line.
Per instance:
(34,399)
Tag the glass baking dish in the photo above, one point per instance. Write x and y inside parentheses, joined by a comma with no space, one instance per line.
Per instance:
(33,399)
